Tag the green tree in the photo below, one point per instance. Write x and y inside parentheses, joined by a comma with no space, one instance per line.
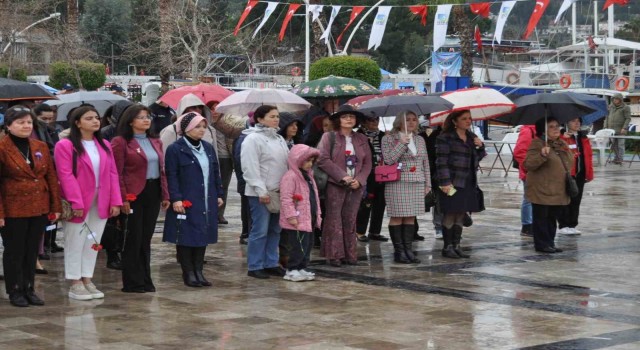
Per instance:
(361,68)
(16,73)
(92,75)
(630,31)
(106,25)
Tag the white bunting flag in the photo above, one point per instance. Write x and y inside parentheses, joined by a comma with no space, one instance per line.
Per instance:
(505,10)
(441,23)
(379,24)
(565,6)
(271,7)
(327,31)
(316,10)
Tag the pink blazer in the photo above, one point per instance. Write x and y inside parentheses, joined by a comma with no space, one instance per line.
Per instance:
(80,190)
(132,166)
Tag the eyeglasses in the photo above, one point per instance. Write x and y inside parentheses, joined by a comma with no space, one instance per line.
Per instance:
(553,126)
(92,117)
(143,117)
(347,116)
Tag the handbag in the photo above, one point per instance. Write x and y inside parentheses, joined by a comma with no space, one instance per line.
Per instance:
(430,199)
(274,201)
(387,173)
(319,175)
(480,198)
(67,210)
(570,184)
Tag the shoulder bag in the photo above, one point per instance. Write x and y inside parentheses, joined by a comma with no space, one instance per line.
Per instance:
(319,175)
(67,210)
(570,186)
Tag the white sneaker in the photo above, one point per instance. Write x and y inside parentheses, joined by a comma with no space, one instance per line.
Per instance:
(563,231)
(577,232)
(95,293)
(438,234)
(310,276)
(79,292)
(294,276)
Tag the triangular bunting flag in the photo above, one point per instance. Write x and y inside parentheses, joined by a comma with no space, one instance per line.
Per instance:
(482,9)
(355,12)
(250,5)
(420,10)
(292,9)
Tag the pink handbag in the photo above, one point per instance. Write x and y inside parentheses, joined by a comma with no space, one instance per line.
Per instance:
(388,173)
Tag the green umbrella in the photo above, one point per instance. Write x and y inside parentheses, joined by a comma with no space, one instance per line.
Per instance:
(334,87)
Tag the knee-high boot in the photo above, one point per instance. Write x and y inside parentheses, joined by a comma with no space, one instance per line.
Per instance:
(447,250)
(408,232)
(199,264)
(457,237)
(395,232)
(185,258)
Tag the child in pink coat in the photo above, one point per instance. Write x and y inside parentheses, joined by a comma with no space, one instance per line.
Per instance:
(299,210)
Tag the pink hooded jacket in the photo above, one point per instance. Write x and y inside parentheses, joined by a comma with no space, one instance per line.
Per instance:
(292,184)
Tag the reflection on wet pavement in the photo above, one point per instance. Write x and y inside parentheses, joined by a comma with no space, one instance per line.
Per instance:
(505,297)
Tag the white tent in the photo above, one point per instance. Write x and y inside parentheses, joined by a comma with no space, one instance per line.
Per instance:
(604,44)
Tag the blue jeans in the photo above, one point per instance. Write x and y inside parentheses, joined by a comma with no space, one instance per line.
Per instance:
(262,250)
(526,215)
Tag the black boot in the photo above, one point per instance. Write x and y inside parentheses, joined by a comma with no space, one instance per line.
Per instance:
(113,260)
(457,237)
(395,232)
(199,263)
(416,236)
(447,250)
(55,248)
(408,235)
(185,258)
(32,298)
(17,298)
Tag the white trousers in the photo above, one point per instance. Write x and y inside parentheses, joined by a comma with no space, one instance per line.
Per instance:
(79,257)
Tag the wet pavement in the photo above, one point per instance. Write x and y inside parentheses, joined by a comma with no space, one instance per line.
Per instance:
(505,297)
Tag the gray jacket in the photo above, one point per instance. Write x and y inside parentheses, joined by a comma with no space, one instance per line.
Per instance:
(263,156)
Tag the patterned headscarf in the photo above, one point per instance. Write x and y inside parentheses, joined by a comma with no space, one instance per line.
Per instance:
(188,122)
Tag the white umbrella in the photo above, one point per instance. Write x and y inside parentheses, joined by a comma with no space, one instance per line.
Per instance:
(243,102)
(101,100)
(483,103)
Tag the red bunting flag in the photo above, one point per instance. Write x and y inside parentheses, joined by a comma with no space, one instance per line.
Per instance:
(250,5)
(478,38)
(592,44)
(615,2)
(420,10)
(541,6)
(355,12)
(292,9)
(481,9)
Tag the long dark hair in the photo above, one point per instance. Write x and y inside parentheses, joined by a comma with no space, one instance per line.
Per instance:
(124,124)
(75,136)
(448,125)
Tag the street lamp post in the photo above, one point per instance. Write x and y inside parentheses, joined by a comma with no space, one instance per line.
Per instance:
(14,35)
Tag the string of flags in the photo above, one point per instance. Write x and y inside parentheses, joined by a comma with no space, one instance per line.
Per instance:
(441,19)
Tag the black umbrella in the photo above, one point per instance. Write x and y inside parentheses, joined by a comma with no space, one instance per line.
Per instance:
(563,107)
(15,90)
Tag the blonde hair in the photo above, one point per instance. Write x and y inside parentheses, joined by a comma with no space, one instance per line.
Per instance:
(399,121)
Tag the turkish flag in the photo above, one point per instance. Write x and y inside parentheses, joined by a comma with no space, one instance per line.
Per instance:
(481,8)
(615,2)
(250,5)
(478,38)
(292,9)
(355,12)
(420,10)
(541,6)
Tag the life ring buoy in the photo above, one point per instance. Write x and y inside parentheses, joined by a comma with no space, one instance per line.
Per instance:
(622,83)
(513,78)
(565,81)
(296,71)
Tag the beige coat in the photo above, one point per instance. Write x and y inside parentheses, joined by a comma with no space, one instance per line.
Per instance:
(546,175)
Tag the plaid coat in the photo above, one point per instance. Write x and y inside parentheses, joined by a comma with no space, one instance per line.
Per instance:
(453,161)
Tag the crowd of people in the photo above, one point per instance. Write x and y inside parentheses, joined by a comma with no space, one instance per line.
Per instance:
(105,179)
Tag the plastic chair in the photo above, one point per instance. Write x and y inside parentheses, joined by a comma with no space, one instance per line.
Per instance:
(601,142)
(511,138)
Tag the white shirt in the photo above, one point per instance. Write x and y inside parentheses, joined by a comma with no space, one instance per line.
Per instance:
(92,151)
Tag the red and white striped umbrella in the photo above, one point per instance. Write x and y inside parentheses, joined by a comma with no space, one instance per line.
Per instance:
(484,103)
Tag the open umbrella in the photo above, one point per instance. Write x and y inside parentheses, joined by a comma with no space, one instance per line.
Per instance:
(357,101)
(392,105)
(101,100)
(597,102)
(241,103)
(334,87)
(15,90)
(564,107)
(206,92)
(483,103)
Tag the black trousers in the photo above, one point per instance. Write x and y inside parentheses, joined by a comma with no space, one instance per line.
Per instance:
(21,240)
(300,244)
(375,212)
(570,212)
(191,258)
(544,224)
(136,254)
(226,171)
(245,215)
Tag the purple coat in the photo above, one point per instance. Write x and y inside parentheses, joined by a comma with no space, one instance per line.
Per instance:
(335,166)
(293,183)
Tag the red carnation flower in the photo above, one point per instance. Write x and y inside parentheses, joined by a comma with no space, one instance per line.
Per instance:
(51,217)
(130,197)
(412,169)
(187,203)
(296,197)
(371,196)
(347,153)
(96,247)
